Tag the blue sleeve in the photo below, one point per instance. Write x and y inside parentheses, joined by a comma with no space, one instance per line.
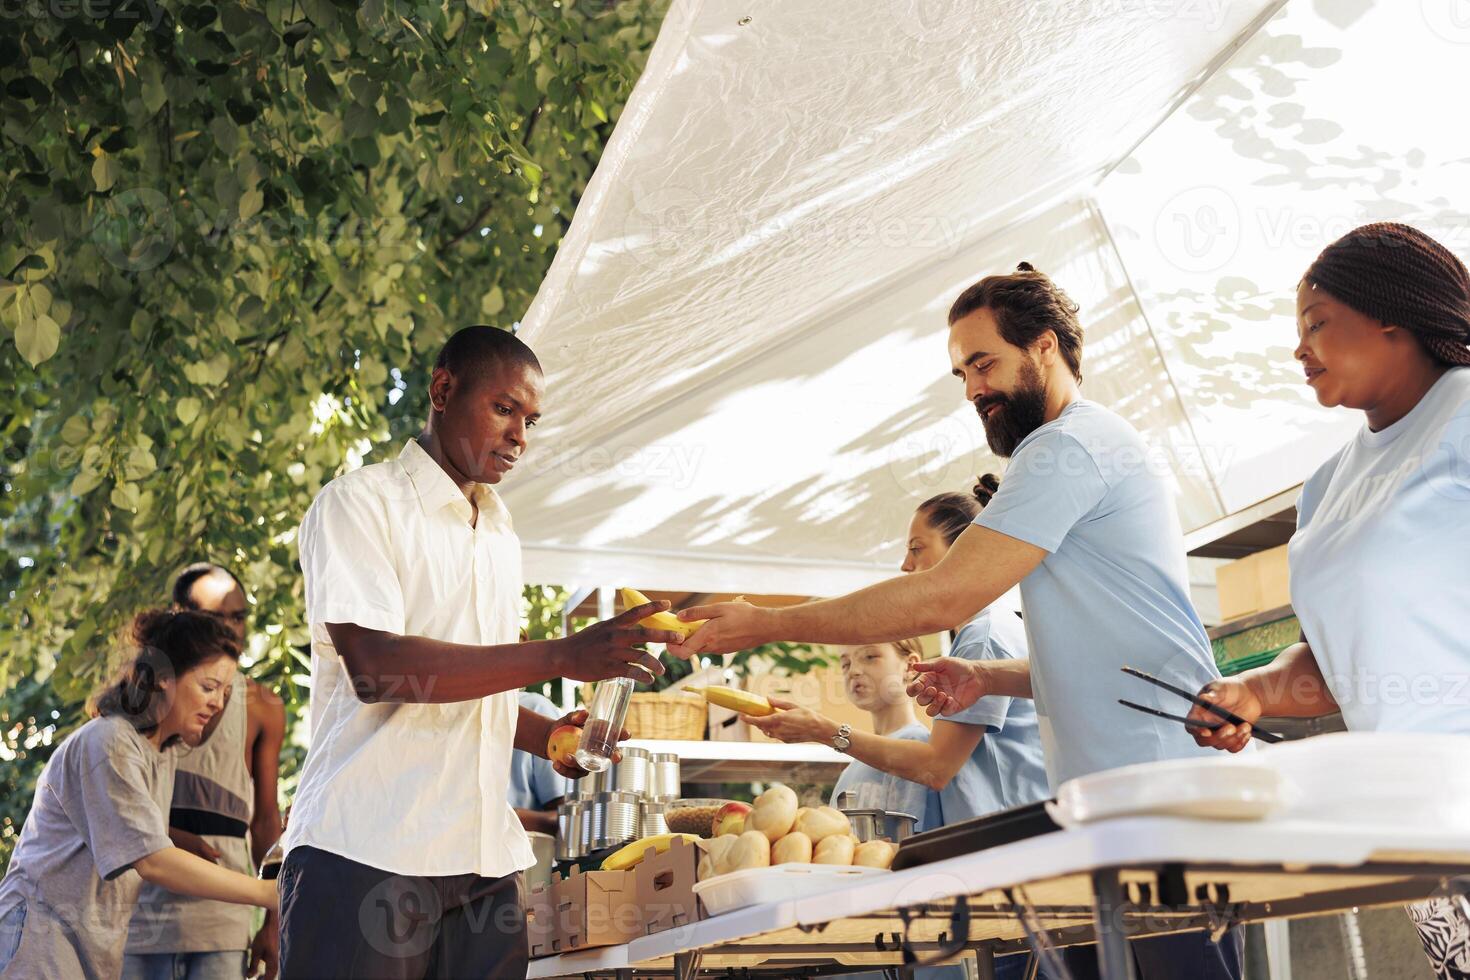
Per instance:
(546,783)
(975,642)
(1050,485)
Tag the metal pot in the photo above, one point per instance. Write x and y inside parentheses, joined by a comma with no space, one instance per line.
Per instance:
(881,825)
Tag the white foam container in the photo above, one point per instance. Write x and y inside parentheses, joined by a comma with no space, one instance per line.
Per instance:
(757,886)
(1405,779)
(1202,788)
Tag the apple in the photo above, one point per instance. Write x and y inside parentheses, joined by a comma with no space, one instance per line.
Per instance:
(561,746)
(729,819)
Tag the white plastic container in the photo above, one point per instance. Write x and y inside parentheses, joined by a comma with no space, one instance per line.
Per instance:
(1405,779)
(1210,789)
(757,886)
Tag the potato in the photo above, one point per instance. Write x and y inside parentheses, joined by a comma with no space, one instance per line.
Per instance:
(751,850)
(716,857)
(822,822)
(874,854)
(773,814)
(794,848)
(836,849)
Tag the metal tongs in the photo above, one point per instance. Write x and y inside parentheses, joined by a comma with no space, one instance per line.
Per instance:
(1256,732)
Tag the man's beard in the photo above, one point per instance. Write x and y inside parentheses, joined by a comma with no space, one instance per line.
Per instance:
(1021,412)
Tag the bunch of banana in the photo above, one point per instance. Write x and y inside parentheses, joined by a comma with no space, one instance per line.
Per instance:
(632,598)
(631,855)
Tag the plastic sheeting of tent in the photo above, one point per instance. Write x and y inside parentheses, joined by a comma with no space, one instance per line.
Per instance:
(744,328)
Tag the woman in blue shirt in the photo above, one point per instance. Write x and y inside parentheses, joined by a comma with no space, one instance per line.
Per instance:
(1378,559)
(985,758)
(982,759)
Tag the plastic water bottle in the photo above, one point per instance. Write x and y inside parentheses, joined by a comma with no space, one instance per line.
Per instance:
(605,717)
(270,865)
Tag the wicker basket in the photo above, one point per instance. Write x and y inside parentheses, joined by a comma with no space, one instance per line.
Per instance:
(667,714)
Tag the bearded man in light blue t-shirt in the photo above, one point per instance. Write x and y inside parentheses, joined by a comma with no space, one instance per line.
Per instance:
(1084,522)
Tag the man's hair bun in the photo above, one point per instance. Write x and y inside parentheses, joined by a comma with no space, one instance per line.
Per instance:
(1025,267)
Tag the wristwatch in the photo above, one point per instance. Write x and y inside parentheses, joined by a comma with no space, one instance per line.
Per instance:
(840,741)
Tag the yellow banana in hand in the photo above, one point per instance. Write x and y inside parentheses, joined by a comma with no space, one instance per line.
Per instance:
(632,599)
(736,700)
(631,855)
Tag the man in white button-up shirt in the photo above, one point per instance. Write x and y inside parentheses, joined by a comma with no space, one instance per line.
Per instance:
(403,855)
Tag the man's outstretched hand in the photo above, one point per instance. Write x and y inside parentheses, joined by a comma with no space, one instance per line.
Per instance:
(731,626)
(614,648)
(946,685)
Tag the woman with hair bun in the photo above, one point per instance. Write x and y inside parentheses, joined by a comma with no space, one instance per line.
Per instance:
(1378,560)
(979,760)
(101,807)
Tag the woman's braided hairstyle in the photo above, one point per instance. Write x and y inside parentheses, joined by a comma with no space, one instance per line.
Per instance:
(1401,276)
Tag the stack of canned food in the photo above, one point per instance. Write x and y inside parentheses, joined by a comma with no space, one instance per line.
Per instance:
(624,802)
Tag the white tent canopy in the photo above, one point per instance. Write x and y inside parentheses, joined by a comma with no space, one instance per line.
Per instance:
(744,328)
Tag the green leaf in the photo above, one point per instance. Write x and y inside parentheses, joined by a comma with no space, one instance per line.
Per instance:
(187,410)
(492,302)
(320,91)
(46,220)
(85,482)
(125,496)
(76,430)
(104,173)
(250,204)
(37,338)
(140,463)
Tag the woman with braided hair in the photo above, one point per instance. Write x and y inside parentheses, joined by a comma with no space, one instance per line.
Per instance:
(1378,560)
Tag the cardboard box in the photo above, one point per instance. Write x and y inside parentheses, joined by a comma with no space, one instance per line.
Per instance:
(666,887)
(540,921)
(1254,584)
(596,908)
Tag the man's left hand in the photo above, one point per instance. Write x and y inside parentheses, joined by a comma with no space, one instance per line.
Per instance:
(579,719)
(265,950)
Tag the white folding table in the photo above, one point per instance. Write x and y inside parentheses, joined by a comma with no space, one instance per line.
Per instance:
(1105,882)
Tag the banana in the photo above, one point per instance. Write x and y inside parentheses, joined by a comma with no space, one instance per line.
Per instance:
(630,855)
(736,700)
(632,598)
